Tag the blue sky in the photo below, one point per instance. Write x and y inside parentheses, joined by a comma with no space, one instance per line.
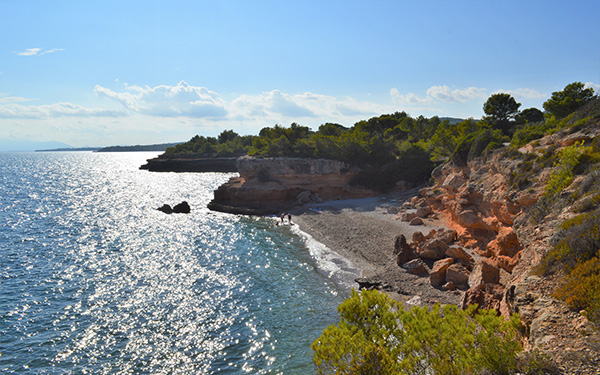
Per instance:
(139,72)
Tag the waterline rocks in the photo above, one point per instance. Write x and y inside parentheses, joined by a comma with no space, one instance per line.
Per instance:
(271,185)
(181,208)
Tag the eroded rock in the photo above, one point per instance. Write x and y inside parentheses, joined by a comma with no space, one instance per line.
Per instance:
(437,276)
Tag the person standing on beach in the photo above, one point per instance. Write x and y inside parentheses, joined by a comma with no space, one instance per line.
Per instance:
(289,218)
(282,217)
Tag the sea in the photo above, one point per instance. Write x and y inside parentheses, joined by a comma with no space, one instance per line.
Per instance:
(95,280)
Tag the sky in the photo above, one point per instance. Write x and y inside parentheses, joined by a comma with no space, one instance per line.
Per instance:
(100,73)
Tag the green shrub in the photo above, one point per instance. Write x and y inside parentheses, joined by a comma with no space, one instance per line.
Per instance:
(378,336)
(568,159)
(475,144)
(537,363)
(587,203)
(581,291)
(576,241)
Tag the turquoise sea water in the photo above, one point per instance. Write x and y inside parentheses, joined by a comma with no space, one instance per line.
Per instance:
(93,279)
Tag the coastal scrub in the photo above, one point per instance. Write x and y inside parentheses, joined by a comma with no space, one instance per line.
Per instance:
(377,335)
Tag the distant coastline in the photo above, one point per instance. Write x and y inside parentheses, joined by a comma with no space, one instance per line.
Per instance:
(68,149)
(136,148)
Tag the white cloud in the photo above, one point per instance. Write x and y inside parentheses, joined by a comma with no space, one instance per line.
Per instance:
(445,94)
(524,94)
(38,51)
(13,99)
(52,110)
(168,101)
(281,106)
(409,98)
(436,94)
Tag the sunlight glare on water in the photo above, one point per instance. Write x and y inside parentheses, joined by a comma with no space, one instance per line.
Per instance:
(93,279)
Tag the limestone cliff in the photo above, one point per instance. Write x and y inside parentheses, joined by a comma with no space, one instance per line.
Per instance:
(492,205)
(270,185)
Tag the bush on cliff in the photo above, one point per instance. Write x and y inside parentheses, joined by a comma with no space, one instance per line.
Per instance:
(376,335)
(581,290)
(476,144)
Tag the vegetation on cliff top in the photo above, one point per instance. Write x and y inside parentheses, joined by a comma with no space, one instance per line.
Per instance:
(394,147)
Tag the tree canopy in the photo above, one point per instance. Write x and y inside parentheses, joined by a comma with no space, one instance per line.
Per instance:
(572,97)
(501,110)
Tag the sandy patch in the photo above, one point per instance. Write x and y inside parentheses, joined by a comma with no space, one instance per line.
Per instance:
(362,231)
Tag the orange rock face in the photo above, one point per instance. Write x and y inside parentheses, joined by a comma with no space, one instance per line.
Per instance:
(267,185)
(477,202)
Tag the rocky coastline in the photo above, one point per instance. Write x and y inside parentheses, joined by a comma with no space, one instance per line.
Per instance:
(468,238)
(189,163)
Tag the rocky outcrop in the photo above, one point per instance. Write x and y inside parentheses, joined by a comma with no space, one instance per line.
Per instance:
(498,244)
(181,208)
(270,185)
(189,163)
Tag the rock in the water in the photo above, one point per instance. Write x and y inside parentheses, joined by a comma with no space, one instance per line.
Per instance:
(166,209)
(182,208)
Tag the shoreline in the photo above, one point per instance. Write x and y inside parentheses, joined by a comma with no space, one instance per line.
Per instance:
(363,232)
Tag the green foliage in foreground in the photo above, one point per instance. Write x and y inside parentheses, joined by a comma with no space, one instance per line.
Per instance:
(376,335)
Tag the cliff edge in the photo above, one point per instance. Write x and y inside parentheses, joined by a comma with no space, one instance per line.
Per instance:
(270,185)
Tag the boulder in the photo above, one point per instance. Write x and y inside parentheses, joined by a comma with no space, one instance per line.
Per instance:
(403,251)
(460,254)
(416,221)
(436,244)
(449,286)
(424,211)
(484,272)
(508,263)
(416,267)
(182,208)
(437,276)
(453,182)
(166,209)
(447,236)
(486,297)
(457,274)
(418,237)
(470,220)
(433,249)
(407,216)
